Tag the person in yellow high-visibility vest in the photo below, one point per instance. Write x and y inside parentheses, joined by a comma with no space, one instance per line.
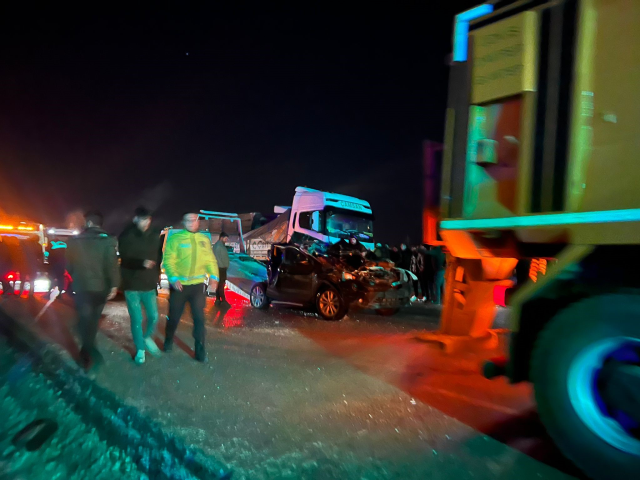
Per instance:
(188,260)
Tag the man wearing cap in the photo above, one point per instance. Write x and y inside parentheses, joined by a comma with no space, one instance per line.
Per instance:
(188,261)
(139,245)
(222,257)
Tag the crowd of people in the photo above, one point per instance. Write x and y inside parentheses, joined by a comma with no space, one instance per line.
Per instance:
(188,259)
(100,265)
(425,262)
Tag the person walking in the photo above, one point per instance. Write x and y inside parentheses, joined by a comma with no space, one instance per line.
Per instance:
(92,262)
(139,255)
(188,260)
(222,258)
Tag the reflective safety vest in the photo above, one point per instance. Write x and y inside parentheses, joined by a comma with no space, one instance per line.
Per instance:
(188,258)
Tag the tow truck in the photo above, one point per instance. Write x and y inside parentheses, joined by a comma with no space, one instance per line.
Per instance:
(540,169)
(21,231)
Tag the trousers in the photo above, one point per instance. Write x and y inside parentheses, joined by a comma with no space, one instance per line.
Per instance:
(221,282)
(89,307)
(136,300)
(195,296)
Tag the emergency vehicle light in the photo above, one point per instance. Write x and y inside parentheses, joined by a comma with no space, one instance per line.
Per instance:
(6,227)
(22,227)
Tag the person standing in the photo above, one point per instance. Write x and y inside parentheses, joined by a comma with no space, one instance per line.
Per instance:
(222,258)
(92,262)
(415,268)
(405,257)
(439,260)
(188,260)
(139,255)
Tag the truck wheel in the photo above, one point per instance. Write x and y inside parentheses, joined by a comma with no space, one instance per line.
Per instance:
(585,368)
(330,304)
(387,312)
(258,297)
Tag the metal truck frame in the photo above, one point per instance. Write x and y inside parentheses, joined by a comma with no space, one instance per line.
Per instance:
(540,169)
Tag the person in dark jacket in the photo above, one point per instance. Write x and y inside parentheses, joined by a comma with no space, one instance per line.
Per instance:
(425,273)
(405,257)
(92,262)
(395,256)
(222,257)
(140,256)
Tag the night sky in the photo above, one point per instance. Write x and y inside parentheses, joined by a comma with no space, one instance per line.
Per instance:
(180,107)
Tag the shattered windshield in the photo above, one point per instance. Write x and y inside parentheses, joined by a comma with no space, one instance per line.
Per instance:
(341,224)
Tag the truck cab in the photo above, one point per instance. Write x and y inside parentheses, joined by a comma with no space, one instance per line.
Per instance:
(329,217)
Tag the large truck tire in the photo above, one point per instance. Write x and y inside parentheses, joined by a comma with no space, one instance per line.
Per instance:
(571,390)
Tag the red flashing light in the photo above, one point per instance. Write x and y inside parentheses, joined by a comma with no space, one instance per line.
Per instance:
(500,295)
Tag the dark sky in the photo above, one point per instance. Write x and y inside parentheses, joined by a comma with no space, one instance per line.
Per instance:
(180,106)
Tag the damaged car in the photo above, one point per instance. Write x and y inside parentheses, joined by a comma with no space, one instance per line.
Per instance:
(330,283)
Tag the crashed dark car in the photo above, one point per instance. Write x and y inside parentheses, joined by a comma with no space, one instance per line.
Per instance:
(330,283)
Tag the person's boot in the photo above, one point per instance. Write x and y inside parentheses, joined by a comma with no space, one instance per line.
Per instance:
(201,354)
(168,343)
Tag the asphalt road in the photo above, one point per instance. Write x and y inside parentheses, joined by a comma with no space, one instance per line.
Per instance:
(288,395)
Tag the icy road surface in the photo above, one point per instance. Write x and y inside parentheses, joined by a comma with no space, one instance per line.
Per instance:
(287,395)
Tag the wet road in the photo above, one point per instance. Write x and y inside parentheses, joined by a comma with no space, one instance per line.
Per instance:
(287,395)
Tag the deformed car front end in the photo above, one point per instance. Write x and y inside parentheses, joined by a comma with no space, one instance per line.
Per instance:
(371,285)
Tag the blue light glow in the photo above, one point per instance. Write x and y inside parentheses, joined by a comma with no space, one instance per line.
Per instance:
(606,216)
(461,30)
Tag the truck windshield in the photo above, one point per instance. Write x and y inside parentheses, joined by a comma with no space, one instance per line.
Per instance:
(341,224)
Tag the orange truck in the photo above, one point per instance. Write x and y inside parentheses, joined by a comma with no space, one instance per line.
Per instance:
(540,169)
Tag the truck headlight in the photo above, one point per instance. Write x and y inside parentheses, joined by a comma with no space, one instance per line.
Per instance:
(348,276)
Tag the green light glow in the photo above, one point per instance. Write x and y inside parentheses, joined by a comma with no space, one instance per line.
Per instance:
(607,216)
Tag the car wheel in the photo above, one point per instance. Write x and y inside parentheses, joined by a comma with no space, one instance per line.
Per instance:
(387,312)
(258,297)
(330,304)
(584,367)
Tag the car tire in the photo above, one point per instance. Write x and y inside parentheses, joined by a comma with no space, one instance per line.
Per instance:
(258,296)
(330,305)
(387,312)
(566,361)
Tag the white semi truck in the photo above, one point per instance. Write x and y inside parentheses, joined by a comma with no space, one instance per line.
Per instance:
(314,215)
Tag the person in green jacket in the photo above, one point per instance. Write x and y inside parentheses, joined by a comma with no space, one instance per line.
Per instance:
(188,260)
(92,262)
(139,246)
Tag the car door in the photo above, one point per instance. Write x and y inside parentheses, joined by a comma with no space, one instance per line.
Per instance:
(296,276)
